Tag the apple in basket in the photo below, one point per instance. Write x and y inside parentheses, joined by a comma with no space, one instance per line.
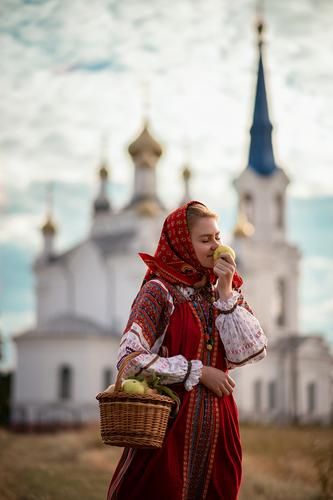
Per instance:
(224,249)
(133,386)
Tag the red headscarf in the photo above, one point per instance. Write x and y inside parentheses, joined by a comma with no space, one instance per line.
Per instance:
(175,259)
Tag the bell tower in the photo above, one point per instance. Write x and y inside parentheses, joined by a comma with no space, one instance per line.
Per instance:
(268,262)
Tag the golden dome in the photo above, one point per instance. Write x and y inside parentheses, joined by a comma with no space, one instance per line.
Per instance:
(103,171)
(148,208)
(260,26)
(187,174)
(49,228)
(145,142)
(243,228)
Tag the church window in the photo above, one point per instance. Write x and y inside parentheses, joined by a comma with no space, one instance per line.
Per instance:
(311,397)
(281,302)
(248,206)
(65,382)
(257,396)
(272,395)
(279,210)
(107,377)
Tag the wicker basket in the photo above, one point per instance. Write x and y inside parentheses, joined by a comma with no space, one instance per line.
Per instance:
(133,420)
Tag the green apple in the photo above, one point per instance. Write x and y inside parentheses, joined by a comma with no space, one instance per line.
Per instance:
(224,249)
(133,386)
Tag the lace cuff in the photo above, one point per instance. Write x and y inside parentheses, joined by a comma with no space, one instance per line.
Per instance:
(227,305)
(195,374)
(172,370)
(242,336)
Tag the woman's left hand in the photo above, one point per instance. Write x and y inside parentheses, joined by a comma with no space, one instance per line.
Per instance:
(224,268)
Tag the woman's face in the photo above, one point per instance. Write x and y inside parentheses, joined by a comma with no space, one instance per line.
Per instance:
(205,236)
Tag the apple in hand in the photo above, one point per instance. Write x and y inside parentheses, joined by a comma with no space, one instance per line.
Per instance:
(223,249)
(133,386)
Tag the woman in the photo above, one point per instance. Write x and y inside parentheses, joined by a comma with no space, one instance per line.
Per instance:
(186,306)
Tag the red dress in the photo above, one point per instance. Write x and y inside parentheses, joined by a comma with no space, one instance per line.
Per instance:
(201,456)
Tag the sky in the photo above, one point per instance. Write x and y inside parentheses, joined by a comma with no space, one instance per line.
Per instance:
(77,72)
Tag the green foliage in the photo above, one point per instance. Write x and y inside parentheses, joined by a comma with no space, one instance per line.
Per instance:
(154,382)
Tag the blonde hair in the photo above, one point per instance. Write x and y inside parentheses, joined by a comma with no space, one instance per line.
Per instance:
(198,211)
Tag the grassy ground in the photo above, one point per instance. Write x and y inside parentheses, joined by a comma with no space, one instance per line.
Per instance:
(279,464)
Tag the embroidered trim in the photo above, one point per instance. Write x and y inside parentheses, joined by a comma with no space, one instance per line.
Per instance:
(229,311)
(247,359)
(202,421)
(148,365)
(189,366)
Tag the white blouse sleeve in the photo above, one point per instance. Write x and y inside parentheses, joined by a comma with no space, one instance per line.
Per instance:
(241,334)
(171,369)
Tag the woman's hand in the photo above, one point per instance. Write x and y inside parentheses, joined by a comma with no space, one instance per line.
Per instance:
(224,268)
(217,381)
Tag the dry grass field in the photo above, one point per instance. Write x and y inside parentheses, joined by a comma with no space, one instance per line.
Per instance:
(279,464)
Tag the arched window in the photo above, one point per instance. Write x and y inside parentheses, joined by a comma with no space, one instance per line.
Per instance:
(65,382)
(107,377)
(279,211)
(272,395)
(311,397)
(248,206)
(257,395)
(281,302)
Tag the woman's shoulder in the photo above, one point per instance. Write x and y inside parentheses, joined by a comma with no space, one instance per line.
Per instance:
(156,289)
(162,289)
(155,285)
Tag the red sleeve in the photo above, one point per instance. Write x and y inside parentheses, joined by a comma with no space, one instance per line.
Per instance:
(151,310)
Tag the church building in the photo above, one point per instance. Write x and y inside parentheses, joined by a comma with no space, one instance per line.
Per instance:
(84,296)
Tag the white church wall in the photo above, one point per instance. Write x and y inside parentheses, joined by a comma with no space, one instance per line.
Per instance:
(148,234)
(263,265)
(126,274)
(52,291)
(292,285)
(266,391)
(37,382)
(252,390)
(89,274)
(262,211)
(315,403)
(126,271)
(258,292)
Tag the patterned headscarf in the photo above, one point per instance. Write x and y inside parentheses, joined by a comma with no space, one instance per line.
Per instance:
(175,259)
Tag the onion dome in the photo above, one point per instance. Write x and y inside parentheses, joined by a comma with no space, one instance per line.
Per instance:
(145,143)
(187,174)
(102,203)
(49,228)
(103,172)
(260,25)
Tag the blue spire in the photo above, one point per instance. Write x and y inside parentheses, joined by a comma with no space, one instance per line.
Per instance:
(261,156)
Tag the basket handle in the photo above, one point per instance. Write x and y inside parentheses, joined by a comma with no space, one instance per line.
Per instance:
(122,367)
